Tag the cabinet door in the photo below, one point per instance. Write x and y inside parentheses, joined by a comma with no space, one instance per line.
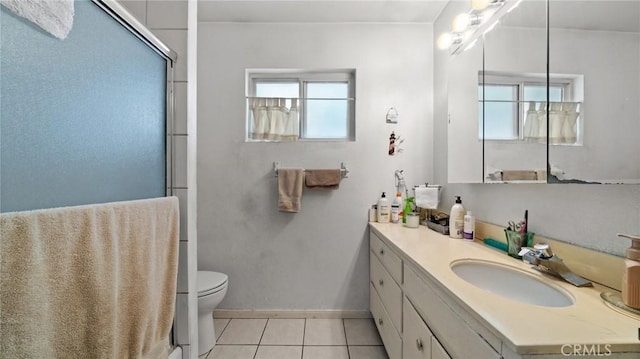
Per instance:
(416,335)
(437,351)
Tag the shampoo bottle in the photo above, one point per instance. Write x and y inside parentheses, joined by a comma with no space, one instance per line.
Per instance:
(384,210)
(456,219)
(396,211)
(631,274)
(469,226)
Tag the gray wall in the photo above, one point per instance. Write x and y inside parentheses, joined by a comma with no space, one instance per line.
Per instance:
(586,215)
(318,258)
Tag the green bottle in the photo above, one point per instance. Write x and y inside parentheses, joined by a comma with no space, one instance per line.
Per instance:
(407,208)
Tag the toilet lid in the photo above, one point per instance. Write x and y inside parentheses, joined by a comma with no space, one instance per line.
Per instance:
(210,281)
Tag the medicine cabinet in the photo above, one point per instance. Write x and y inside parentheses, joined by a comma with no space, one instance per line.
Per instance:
(557,96)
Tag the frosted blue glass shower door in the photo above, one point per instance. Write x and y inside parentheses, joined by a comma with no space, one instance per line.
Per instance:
(83,120)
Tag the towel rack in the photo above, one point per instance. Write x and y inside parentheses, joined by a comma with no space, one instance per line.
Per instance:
(344,172)
(429,186)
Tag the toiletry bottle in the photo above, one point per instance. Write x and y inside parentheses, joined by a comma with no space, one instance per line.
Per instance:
(407,209)
(395,208)
(469,226)
(631,274)
(456,219)
(384,210)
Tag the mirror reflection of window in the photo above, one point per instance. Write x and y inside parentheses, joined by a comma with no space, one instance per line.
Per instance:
(500,111)
(505,98)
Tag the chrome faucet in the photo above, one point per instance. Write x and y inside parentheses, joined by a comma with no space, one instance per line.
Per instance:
(544,260)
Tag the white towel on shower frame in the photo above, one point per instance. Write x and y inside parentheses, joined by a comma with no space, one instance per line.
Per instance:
(53,16)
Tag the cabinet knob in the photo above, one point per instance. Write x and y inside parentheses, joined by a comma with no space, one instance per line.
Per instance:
(380,321)
(381,282)
(419,345)
(381,251)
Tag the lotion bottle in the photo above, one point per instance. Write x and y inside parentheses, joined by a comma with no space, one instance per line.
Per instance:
(631,274)
(469,226)
(456,219)
(384,210)
(396,211)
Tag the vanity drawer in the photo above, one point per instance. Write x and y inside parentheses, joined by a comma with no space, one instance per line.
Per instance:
(390,260)
(450,329)
(388,334)
(416,336)
(388,290)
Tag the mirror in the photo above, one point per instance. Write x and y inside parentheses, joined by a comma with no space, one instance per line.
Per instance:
(589,132)
(512,95)
(601,41)
(464,146)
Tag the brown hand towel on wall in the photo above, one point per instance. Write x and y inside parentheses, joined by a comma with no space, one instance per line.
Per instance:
(290,189)
(329,179)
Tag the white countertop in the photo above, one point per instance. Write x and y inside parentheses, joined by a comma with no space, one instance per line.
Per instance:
(526,328)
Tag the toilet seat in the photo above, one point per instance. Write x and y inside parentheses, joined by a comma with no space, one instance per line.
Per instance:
(211,282)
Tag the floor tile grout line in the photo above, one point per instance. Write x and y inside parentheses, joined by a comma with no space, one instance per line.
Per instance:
(219,336)
(304,333)
(346,342)
(261,336)
(223,329)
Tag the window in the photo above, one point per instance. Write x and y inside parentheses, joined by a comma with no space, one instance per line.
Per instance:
(506,99)
(291,105)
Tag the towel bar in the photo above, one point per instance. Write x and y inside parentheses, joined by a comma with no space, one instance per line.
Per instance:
(344,172)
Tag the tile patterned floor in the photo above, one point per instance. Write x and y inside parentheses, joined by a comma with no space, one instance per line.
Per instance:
(296,339)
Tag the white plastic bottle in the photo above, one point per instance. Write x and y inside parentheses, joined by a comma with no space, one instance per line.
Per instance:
(384,210)
(396,208)
(469,226)
(456,219)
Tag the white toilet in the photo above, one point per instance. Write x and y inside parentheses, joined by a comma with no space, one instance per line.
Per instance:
(212,287)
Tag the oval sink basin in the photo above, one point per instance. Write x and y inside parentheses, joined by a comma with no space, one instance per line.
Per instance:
(510,282)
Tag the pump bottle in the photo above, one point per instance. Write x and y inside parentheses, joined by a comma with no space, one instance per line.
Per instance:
(456,219)
(384,210)
(396,210)
(631,274)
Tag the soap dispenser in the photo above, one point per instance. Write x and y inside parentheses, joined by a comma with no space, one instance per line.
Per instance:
(456,219)
(631,275)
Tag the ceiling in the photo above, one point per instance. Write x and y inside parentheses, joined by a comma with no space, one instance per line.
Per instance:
(320,11)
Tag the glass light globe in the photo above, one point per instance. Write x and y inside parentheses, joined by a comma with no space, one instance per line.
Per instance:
(461,22)
(480,4)
(444,41)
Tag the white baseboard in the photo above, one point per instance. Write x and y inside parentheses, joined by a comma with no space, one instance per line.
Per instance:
(291,314)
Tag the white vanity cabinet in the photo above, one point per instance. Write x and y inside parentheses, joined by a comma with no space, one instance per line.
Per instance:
(423,310)
(412,317)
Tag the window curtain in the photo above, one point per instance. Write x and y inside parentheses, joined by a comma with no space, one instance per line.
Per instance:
(272,120)
(563,118)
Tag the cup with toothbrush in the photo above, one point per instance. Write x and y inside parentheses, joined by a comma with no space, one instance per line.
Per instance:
(518,236)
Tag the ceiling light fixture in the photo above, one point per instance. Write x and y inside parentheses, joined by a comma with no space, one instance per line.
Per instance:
(464,21)
(447,39)
(483,4)
(467,27)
